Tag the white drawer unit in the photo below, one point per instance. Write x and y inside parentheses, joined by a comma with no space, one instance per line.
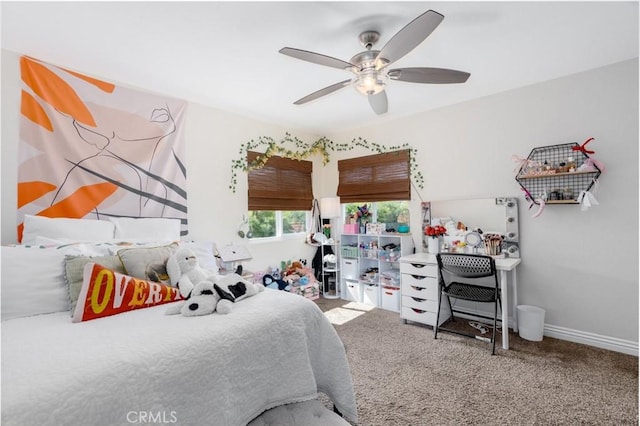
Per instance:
(419,290)
(353,291)
(419,269)
(370,294)
(421,287)
(417,315)
(350,269)
(390,299)
(420,304)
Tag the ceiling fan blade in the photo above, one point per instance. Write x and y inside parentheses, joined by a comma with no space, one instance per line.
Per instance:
(316,58)
(379,102)
(410,36)
(428,75)
(322,92)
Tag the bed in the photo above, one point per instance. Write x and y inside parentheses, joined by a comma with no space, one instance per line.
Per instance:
(144,366)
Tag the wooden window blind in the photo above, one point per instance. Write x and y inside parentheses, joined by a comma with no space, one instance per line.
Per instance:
(282,184)
(378,177)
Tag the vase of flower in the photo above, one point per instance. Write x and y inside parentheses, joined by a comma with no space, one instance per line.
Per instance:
(434,240)
(363,216)
(434,244)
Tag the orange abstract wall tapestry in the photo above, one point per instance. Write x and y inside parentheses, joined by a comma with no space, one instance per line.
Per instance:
(91,149)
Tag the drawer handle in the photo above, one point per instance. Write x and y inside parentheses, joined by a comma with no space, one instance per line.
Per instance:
(418,311)
(389,293)
(417,288)
(418,265)
(418,277)
(417,299)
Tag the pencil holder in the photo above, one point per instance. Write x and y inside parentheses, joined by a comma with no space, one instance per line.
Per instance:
(492,245)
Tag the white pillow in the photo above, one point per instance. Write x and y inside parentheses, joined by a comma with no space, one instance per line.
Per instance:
(66,229)
(146,229)
(32,282)
(79,248)
(205,252)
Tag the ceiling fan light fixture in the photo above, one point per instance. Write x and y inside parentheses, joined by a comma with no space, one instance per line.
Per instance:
(370,82)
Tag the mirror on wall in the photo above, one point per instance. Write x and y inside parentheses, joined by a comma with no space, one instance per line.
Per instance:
(492,215)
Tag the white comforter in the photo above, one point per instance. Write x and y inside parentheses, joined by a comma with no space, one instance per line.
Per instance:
(274,348)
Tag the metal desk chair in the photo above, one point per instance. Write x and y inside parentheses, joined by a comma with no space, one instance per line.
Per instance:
(460,276)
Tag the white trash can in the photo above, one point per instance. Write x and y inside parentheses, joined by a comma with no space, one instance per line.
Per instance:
(530,322)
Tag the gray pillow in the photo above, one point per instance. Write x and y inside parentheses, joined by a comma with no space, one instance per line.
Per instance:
(148,263)
(74,268)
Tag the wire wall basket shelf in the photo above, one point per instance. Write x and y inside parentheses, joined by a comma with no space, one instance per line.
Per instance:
(557,173)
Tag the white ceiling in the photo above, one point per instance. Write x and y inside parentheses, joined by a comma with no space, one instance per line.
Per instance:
(225,54)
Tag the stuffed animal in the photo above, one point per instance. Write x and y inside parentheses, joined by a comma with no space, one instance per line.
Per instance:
(204,300)
(277,284)
(233,288)
(194,281)
(185,272)
(294,268)
(204,291)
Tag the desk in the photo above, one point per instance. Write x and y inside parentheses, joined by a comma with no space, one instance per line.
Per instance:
(507,274)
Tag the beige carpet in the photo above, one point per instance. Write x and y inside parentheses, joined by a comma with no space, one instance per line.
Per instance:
(402,376)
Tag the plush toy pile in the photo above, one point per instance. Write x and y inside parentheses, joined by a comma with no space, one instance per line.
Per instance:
(275,283)
(205,292)
(295,274)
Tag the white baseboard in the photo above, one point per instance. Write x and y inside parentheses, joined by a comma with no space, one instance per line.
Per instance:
(605,342)
(591,339)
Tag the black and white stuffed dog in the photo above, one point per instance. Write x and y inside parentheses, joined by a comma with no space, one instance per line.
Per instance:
(205,292)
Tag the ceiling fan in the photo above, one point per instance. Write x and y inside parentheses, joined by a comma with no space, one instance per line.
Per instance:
(371,67)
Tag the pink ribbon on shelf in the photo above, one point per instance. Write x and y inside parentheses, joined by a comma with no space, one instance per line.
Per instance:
(528,196)
(541,201)
(590,162)
(541,205)
(522,162)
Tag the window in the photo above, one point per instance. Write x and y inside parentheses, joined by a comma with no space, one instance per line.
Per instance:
(382,211)
(270,224)
(280,196)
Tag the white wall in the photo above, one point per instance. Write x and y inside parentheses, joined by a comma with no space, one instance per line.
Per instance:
(582,267)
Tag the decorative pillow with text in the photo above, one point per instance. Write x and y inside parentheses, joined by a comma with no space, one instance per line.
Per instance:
(105,292)
(74,273)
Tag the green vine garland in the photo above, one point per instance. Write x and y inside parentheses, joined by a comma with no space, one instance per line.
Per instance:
(304,150)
